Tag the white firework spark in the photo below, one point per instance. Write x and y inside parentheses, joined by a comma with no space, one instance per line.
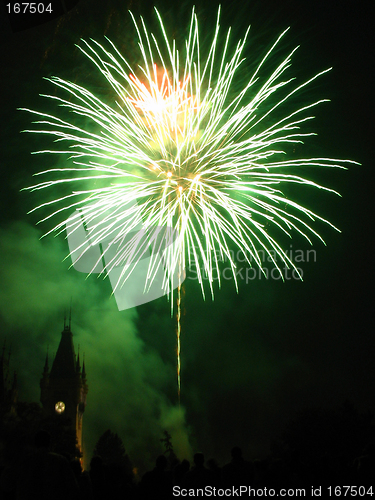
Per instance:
(178,150)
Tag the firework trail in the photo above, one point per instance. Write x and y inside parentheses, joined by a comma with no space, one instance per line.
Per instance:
(178,149)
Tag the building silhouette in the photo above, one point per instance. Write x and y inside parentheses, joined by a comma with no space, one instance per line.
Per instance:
(64,388)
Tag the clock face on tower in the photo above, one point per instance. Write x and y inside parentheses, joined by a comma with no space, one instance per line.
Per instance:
(59,407)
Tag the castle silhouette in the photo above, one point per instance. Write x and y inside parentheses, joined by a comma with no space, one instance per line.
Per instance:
(63,387)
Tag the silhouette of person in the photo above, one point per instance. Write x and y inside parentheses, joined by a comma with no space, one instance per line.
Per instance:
(83,480)
(98,478)
(180,472)
(237,472)
(199,476)
(215,472)
(157,484)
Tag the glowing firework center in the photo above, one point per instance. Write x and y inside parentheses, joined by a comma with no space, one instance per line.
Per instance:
(172,116)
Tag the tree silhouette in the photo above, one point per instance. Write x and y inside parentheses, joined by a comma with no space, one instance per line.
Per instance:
(167,441)
(112,451)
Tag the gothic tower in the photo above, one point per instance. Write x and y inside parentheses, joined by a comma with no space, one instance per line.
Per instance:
(64,388)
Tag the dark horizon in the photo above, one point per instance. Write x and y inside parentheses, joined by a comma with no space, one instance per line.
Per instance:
(249,360)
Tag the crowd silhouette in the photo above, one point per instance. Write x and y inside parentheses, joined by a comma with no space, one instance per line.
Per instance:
(43,475)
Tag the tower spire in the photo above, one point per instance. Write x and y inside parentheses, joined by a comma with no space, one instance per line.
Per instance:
(70,314)
(46,367)
(83,370)
(78,365)
(64,385)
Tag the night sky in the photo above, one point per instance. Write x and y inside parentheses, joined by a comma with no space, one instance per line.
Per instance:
(249,360)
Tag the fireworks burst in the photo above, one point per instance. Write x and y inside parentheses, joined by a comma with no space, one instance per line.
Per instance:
(178,150)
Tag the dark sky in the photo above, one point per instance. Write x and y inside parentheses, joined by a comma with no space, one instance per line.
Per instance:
(249,360)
